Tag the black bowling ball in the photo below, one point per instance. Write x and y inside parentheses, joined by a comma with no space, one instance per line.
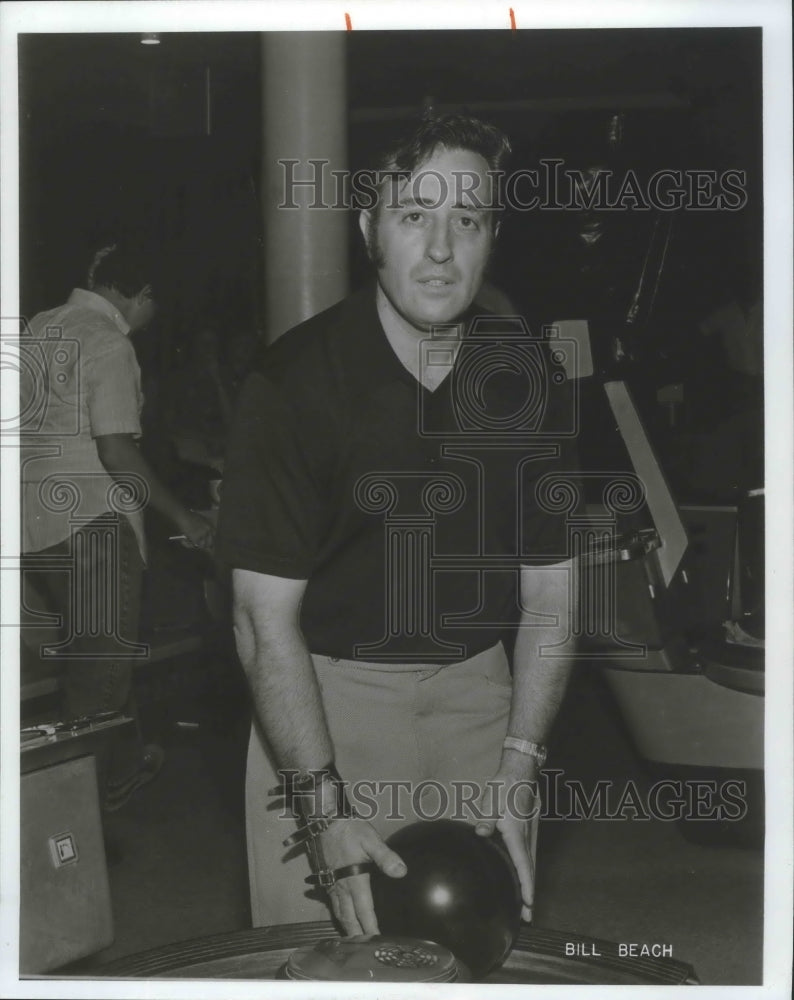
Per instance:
(461,891)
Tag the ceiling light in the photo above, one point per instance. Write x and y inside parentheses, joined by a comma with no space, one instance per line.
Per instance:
(150,38)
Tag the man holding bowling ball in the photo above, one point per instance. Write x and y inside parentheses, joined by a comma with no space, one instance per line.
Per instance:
(384,517)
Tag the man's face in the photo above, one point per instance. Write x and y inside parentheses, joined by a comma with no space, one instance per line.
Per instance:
(141,310)
(432,237)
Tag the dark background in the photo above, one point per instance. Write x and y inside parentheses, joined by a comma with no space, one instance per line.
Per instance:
(113,135)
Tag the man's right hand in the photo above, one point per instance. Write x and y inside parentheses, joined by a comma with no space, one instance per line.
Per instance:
(354,841)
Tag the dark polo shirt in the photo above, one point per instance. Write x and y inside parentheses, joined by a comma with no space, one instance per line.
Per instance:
(409,512)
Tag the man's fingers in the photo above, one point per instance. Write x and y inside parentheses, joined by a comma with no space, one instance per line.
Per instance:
(344,910)
(358,887)
(488,811)
(386,859)
(351,901)
(351,843)
(519,853)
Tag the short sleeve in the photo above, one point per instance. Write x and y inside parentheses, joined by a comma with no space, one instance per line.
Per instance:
(113,390)
(272,505)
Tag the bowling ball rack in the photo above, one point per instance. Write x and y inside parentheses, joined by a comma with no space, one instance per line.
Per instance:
(539,957)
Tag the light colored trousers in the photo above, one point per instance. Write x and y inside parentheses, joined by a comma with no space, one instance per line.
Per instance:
(424,726)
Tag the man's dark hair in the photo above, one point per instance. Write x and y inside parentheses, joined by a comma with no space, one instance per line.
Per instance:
(126,267)
(452,131)
(434,131)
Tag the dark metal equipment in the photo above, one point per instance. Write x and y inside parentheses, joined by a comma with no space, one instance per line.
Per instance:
(539,957)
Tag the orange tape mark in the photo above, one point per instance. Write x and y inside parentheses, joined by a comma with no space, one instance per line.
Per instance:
(348,22)
(512,19)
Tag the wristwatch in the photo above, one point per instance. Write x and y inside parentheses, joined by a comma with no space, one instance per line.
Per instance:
(536,750)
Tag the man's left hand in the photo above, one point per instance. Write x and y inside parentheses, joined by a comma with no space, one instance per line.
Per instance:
(515,800)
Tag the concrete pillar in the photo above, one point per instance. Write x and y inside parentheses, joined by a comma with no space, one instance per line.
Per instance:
(304,106)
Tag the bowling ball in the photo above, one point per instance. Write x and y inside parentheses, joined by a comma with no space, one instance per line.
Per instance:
(461,891)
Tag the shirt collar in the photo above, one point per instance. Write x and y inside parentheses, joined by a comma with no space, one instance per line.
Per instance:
(90,300)
(370,361)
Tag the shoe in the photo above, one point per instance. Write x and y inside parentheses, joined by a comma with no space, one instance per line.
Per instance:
(118,793)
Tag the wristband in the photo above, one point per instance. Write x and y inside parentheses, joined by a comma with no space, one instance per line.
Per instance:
(308,779)
(326,878)
(529,749)
(308,831)
(303,792)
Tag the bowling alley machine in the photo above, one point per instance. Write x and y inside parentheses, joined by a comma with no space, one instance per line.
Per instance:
(539,957)
(455,917)
(65,903)
(677,632)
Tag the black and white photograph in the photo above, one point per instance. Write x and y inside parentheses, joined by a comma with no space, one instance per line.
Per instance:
(397,498)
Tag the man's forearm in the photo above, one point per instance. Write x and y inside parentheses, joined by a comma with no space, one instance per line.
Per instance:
(539,684)
(288,705)
(284,689)
(543,655)
(120,456)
